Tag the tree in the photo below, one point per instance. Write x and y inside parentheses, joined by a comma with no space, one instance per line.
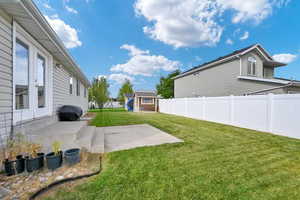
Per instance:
(126,88)
(99,91)
(165,88)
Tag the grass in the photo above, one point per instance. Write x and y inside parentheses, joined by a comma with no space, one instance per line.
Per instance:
(215,162)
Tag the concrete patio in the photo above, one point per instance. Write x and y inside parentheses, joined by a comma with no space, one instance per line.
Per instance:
(127,137)
(100,139)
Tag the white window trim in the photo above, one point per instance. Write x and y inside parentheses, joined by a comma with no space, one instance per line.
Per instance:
(34,49)
(143,103)
(251,67)
(71,91)
(78,87)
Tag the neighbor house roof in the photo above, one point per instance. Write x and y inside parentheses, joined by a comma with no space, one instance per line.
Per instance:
(145,94)
(234,55)
(26,13)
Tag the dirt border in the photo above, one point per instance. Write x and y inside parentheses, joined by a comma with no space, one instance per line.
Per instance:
(67,180)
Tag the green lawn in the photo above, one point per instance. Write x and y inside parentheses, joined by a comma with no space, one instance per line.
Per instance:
(214,162)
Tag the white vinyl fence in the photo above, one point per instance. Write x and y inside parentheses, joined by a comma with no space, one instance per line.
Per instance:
(278,114)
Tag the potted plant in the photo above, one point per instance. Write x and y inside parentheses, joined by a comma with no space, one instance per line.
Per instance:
(54,159)
(20,144)
(33,161)
(72,156)
(9,155)
(20,164)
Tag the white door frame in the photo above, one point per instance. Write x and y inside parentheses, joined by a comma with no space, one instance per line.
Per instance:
(34,49)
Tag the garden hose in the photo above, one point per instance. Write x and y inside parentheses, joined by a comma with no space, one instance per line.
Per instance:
(56,183)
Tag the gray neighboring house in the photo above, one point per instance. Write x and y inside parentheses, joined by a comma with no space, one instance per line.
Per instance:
(247,71)
(37,74)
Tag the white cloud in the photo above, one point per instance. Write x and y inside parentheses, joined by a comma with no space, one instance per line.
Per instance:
(184,23)
(46,5)
(256,10)
(67,34)
(181,23)
(229,41)
(101,76)
(71,10)
(245,36)
(285,57)
(120,78)
(143,63)
(133,51)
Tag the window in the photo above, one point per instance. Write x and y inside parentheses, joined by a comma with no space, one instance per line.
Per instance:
(71,85)
(251,70)
(146,100)
(22,76)
(40,82)
(78,87)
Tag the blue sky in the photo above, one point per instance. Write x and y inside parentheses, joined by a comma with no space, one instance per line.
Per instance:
(144,39)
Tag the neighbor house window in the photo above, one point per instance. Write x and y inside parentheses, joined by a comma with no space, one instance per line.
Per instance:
(147,100)
(251,66)
(71,85)
(78,87)
(22,76)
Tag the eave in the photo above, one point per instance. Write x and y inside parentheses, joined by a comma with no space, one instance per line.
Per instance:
(27,15)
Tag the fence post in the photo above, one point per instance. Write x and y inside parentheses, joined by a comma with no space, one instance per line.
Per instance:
(270,102)
(231,110)
(185,107)
(203,108)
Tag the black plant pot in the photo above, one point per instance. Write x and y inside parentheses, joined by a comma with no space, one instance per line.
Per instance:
(54,161)
(20,164)
(72,156)
(9,167)
(41,157)
(32,164)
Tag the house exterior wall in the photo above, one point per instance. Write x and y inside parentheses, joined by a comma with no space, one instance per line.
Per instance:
(5,74)
(61,90)
(59,87)
(221,80)
(146,107)
(139,106)
(292,90)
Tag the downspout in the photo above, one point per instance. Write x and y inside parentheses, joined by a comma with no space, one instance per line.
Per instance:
(13,34)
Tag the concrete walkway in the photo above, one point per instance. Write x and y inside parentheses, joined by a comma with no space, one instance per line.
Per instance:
(99,139)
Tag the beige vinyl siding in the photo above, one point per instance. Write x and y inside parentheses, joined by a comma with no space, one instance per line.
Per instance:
(6,69)
(61,90)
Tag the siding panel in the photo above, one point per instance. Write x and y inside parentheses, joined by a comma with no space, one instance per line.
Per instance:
(61,94)
(5,77)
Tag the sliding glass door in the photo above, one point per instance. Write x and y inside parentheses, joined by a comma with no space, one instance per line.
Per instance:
(40,105)
(22,76)
(31,79)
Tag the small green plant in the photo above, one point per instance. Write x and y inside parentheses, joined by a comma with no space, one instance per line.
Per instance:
(56,147)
